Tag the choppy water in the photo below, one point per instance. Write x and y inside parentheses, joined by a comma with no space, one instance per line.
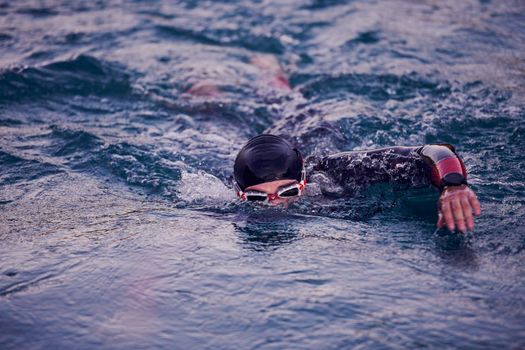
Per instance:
(118,228)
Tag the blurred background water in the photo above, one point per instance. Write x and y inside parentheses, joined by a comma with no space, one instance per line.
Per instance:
(118,225)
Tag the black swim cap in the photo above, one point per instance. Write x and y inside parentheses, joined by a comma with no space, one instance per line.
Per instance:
(267,158)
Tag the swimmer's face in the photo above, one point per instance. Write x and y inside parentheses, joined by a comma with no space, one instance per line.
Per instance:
(273,187)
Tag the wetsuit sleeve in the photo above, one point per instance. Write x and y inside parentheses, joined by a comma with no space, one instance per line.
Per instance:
(446,168)
(414,166)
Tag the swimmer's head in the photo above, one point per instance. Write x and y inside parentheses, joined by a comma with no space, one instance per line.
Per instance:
(267,158)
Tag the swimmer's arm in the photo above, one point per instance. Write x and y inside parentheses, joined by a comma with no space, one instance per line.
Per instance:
(437,164)
(270,70)
(401,165)
(457,201)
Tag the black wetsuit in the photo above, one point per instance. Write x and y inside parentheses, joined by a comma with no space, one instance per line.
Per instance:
(438,165)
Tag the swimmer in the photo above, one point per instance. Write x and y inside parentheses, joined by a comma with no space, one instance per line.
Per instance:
(269,169)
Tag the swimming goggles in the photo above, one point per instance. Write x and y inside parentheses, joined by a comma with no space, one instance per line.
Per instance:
(288,191)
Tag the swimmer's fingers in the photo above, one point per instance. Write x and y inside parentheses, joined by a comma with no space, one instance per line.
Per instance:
(467,212)
(474,202)
(458,214)
(441,220)
(447,213)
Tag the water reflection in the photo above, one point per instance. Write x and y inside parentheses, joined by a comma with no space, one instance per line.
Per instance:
(455,250)
(267,229)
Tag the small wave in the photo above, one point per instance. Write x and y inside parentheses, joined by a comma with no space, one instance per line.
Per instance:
(144,167)
(201,187)
(322,4)
(225,37)
(72,141)
(155,172)
(64,145)
(366,38)
(138,167)
(375,87)
(186,34)
(37,12)
(9,122)
(82,75)
(5,37)
(374,131)
(14,169)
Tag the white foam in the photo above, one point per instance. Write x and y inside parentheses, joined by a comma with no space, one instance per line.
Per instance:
(202,187)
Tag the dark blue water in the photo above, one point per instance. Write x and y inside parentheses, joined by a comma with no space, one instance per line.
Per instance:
(118,226)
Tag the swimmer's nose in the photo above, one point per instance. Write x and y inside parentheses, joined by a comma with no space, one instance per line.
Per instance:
(276,201)
(279,201)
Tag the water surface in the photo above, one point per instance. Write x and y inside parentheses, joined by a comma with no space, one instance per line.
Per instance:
(118,226)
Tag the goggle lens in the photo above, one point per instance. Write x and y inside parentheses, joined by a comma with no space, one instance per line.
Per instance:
(292,192)
(256,197)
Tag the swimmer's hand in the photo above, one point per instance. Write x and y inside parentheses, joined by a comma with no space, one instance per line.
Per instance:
(455,206)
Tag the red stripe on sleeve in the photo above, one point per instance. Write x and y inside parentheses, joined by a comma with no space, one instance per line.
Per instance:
(449,165)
